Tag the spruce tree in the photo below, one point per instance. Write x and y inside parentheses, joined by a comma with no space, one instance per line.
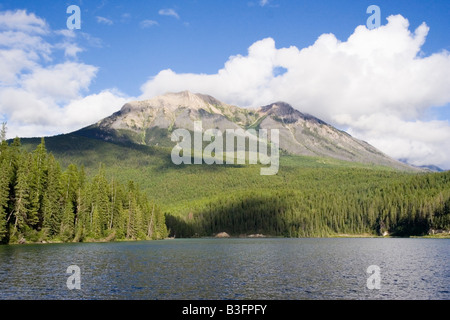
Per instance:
(100,197)
(4,193)
(22,194)
(3,132)
(52,199)
(38,176)
(67,223)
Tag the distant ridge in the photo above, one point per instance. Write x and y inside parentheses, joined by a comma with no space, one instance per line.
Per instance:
(427,168)
(432,168)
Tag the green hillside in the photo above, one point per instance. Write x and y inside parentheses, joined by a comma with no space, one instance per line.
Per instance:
(178,188)
(308,197)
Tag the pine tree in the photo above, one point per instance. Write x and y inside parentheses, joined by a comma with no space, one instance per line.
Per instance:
(131,220)
(96,230)
(151,234)
(38,176)
(22,194)
(161,228)
(70,183)
(67,223)
(52,199)
(82,214)
(82,208)
(4,150)
(15,151)
(4,193)
(3,132)
(100,196)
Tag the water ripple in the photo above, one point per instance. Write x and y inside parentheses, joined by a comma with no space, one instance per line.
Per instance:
(239,269)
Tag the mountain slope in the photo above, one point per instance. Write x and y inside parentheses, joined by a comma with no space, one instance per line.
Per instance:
(151,123)
(309,196)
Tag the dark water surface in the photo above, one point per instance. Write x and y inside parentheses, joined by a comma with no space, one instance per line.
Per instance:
(229,269)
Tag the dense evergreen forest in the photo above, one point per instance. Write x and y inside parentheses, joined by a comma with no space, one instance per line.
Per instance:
(309,197)
(410,206)
(39,202)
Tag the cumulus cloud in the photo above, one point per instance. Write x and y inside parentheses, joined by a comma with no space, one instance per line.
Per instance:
(21,44)
(169,12)
(376,84)
(46,82)
(39,96)
(419,142)
(20,20)
(37,116)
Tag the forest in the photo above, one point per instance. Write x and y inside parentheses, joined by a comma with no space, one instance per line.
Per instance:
(84,189)
(40,202)
(411,206)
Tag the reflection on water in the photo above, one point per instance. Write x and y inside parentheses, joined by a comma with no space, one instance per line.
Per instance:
(229,269)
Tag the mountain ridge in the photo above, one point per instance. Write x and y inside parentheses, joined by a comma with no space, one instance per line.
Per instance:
(150,122)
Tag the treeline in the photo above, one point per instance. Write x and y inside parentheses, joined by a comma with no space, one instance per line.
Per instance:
(41,202)
(309,197)
(406,205)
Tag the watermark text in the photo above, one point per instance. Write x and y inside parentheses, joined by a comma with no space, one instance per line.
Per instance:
(236,141)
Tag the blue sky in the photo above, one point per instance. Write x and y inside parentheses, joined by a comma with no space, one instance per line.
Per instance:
(124,47)
(208,32)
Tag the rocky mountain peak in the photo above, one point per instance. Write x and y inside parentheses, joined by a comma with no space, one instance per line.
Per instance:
(286,113)
(172,101)
(151,122)
(279,108)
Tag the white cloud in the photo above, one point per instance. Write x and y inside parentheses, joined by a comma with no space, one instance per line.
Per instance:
(103,20)
(24,107)
(169,12)
(148,23)
(92,108)
(20,20)
(420,142)
(21,45)
(39,96)
(23,41)
(11,63)
(69,43)
(262,3)
(376,84)
(68,33)
(46,82)
(33,115)
(70,49)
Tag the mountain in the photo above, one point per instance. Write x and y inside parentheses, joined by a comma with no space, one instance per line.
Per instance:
(152,121)
(314,193)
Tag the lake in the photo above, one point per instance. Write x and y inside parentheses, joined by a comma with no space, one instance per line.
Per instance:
(282,269)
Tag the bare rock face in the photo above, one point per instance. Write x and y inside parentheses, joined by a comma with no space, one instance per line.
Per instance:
(222,235)
(152,121)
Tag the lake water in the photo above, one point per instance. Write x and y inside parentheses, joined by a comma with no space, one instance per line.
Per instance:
(281,269)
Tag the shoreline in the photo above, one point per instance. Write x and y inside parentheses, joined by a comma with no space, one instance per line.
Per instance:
(336,236)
